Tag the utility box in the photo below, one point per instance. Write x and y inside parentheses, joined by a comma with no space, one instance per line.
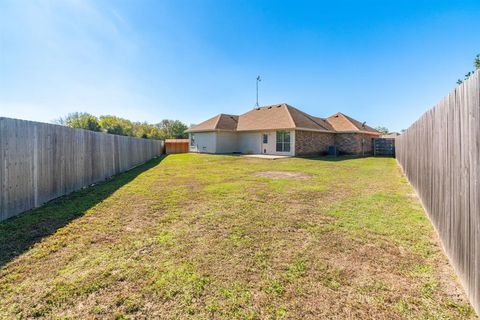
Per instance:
(332,151)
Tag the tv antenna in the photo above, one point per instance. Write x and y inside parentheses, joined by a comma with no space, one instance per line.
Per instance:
(258,80)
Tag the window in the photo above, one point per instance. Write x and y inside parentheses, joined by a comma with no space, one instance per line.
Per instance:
(192,139)
(283,141)
(265,138)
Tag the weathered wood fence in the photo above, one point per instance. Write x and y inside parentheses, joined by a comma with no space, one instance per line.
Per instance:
(40,161)
(440,154)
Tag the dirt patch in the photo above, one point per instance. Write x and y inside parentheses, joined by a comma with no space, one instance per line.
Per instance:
(282,175)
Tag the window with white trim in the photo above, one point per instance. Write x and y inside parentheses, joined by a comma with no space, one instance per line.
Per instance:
(283,141)
(192,139)
(265,138)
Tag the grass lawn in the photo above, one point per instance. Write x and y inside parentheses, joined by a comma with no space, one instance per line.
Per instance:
(220,237)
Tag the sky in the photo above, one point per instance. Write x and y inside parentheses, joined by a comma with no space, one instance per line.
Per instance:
(384,62)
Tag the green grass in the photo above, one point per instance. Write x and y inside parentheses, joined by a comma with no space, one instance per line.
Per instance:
(202,237)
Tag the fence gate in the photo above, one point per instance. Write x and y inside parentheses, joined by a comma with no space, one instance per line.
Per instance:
(383,147)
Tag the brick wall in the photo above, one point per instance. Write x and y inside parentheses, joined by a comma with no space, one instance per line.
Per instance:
(312,143)
(351,143)
(368,143)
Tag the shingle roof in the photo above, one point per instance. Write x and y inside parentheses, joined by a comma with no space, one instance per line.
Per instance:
(305,121)
(343,123)
(264,118)
(222,121)
(281,116)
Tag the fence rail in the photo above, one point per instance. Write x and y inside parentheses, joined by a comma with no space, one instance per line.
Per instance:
(40,162)
(440,154)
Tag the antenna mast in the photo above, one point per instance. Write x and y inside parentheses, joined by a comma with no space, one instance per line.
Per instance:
(258,80)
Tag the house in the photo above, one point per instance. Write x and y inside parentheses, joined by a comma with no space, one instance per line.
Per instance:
(281,130)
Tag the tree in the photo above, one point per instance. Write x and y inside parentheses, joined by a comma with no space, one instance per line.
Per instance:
(80,120)
(166,129)
(382,130)
(145,130)
(476,64)
(116,125)
(172,129)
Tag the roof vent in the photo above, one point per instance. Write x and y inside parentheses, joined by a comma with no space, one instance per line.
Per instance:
(258,108)
(270,107)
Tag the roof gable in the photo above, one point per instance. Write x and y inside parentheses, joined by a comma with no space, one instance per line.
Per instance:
(343,123)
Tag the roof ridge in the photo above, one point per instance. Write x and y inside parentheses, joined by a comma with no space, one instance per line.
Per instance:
(309,118)
(234,118)
(269,106)
(218,120)
(289,114)
(353,121)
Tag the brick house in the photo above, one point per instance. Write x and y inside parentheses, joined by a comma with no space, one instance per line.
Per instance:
(281,130)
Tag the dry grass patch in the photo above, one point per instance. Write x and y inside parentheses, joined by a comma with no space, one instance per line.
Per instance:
(282,175)
(204,237)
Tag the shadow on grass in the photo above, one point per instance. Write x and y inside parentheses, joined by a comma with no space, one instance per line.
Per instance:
(19,233)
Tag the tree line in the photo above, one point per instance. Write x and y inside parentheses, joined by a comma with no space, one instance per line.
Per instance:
(165,129)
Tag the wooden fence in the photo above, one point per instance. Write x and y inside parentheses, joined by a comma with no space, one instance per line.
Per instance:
(440,154)
(40,162)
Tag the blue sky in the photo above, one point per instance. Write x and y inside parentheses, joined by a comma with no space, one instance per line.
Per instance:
(384,62)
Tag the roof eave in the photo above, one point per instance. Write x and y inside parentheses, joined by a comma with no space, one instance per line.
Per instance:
(209,130)
(358,131)
(265,129)
(315,130)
